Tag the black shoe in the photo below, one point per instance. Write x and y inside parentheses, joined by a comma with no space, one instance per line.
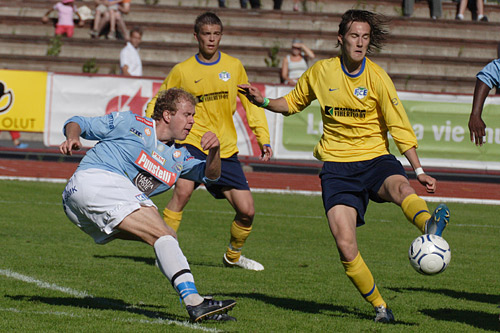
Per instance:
(209,307)
(220,317)
(484,19)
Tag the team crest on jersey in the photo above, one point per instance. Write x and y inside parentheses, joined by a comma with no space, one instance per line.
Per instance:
(395,101)
(158,157)
(147,131)
(360,92)
(176,154)
(178,167)
(224,76)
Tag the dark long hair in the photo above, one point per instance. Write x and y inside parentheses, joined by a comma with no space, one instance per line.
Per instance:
(378,26)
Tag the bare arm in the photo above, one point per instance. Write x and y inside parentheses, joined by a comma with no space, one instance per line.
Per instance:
(277,105)
(424,179)
(125,71)
(210,142)
(284,70)
(307,51)
(476,124)
(72,142)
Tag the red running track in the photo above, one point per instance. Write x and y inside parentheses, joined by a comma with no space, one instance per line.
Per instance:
(268,180)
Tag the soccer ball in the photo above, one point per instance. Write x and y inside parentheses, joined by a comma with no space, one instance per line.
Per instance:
(429,254)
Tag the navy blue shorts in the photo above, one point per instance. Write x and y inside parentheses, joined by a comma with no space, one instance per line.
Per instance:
(355,183)
(232,175)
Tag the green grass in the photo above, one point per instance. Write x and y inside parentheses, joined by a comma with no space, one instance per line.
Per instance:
(302,289)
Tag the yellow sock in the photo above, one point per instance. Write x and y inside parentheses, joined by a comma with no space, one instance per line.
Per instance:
(239,235)
(416,211)
(172,219)
(362,279)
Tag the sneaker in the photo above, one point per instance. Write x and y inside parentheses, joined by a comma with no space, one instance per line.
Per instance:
(94,34)
(209,307)
(384,315)
(484,19)
(459,17)
(438,221)
(244,262)
(22,146)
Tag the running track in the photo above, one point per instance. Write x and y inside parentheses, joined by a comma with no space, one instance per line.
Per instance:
(261,180)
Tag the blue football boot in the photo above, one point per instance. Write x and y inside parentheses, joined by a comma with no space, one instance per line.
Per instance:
(438,221)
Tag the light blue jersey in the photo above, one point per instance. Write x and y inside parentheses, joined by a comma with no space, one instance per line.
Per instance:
(128,146)
(490,74)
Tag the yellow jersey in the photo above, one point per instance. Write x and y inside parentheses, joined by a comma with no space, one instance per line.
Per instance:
(215,86)
(357,111)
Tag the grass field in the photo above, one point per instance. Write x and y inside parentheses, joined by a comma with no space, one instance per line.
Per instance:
(53,278)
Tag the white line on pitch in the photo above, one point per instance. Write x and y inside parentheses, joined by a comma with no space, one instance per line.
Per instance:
(83,294)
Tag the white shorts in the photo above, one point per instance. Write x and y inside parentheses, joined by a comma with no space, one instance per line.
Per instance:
(97,201)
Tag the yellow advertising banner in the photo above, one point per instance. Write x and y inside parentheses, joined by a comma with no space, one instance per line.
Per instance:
(22,100)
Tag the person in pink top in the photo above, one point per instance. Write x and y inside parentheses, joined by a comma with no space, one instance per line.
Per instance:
(65,11)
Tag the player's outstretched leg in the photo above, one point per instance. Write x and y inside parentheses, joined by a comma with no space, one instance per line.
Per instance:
(209,309)
(383,314)
(438,221)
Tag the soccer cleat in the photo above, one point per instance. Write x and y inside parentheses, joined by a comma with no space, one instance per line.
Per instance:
(208,308)
(438,221)
(383,314)
(244,262)
(220,317)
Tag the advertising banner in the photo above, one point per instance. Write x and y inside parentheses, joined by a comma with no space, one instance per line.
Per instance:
(440,122)
(22,100)
(90,96)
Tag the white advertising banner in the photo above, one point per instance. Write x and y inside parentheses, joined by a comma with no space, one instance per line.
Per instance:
(91,96)
(439,120)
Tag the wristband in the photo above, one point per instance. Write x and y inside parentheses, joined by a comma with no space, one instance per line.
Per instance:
(266,145)
(419,171)
(265,103)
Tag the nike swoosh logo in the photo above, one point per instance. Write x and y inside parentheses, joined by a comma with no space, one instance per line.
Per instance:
(196,81)
(330,89)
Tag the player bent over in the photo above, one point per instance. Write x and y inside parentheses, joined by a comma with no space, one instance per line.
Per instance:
(108,195)
(359,106)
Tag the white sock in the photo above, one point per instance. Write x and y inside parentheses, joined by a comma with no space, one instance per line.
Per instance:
(173,264)
(479,17)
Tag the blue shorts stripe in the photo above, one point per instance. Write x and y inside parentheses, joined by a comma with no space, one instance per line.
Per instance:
(186,288)
(418,213)
(370,292)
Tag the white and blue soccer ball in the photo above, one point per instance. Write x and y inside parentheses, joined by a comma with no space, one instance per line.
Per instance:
(429,254)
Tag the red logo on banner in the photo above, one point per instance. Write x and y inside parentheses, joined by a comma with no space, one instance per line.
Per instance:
(136,104)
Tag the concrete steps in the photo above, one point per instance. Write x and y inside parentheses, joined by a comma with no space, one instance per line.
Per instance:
(420,54)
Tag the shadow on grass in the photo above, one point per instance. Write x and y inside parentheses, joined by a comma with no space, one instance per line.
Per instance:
(476,319)
(146,260)
(151,260)
(100,303)
(311,307)
(476,297)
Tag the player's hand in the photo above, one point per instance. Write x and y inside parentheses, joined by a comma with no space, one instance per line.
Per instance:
(253,94)
(209,140)
(428,181)
(67,147)
(477,129)
(266,153)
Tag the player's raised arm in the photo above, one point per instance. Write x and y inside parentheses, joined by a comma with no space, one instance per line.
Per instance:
(277,105)
(72,142)
(210,142)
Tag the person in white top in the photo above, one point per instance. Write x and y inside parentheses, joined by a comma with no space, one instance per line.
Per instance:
(130,60)
(296,63)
